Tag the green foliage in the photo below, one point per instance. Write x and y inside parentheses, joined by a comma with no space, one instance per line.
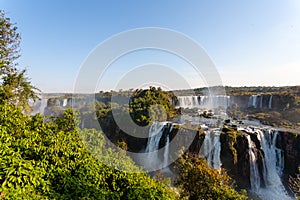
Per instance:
(56,160)
(101,109)
(9,43)
(198,181)
(294,184)
(231,140)
(69,121)
(150,105)
(15,87)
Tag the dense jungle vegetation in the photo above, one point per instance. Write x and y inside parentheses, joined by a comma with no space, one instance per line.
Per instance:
(51,158)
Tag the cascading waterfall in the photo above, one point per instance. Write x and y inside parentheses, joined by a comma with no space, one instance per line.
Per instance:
(253,101)
(254,173)
(43,106)
(155,134)
(272,166)
(224,101)
(189,101)
(217,151)
(256,101)
(65,102)
(212,148)
(166,153)
(270,102)
(39,106)
(157,158)
(208,102)
(279,161)
(266,184)
(261,101)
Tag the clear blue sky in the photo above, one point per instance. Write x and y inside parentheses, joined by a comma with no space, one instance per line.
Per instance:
(251,42)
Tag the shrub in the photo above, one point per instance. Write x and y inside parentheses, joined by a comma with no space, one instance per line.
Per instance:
(197,181)
(150,105)
(56,160)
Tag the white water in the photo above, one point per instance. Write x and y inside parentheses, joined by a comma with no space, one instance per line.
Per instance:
(189,101)
(212,148)
(254,173)
(155,133)
(272,161)
(256,101)
(39,106)
(205,102)
(65,102)
(158,158)
(272,167)
(270,102)
(253,101)
(166,153)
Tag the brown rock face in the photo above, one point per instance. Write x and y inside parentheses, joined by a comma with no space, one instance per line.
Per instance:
(234,148)
(290,143)
(241,100)
(235,156)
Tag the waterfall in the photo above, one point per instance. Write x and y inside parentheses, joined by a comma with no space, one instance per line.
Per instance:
(166,153)
(261,101)
(212,148)
(43,106)
(217,150)
(279,161)
(155,133)
(272,166)
(39,106)
(270,102)
(252,101)
(157,158)
(189,101)
(205,102)
(255,102)
(254,173)
(65,102)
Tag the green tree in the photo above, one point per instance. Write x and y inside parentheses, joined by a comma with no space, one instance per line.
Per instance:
(150,105)
(56,160)
(197,181)
(9,41)
(15,86)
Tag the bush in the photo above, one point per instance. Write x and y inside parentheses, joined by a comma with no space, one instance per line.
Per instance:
(48,160)
(150,105)
(197,181)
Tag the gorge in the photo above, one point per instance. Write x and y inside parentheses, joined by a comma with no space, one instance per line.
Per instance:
(224,129)
(255,156)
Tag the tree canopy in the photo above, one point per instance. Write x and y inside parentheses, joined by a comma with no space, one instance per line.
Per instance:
(51,158)
(48,160)
(198,181)
(150,105)
(15,86)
